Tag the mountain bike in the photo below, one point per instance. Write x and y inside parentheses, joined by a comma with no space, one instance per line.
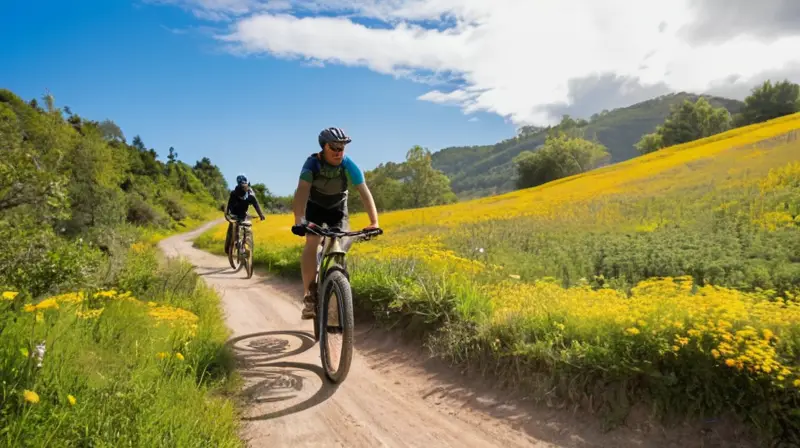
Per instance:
(241,249)
(334,310)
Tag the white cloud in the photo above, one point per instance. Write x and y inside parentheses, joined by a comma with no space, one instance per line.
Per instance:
(516,58)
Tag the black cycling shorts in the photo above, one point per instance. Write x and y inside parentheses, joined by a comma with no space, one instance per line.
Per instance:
(333,217)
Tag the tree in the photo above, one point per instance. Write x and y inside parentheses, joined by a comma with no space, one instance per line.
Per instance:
(95,174)
(686,122)
(769,101)
(112,132)
(411,184)
(560,156)
(32,165)
(263,195)
(424,185)
(211,176)
(650,143)
(138,143)
(172,156)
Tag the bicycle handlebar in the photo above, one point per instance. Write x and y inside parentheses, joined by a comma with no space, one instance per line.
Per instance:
(230,219)
(336,233)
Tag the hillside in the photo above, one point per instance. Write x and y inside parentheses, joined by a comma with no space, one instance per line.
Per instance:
(669,281)
(484,170)
(103,342)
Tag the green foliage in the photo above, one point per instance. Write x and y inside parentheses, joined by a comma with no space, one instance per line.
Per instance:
(411,184)
(211,176)
(33,258)
(769,101)
(687,122)
(650,143)
(423,185)
(33,165)
(561,156)
(477,171)
(111,132)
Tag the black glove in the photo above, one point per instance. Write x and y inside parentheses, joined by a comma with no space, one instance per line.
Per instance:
(299,230)
(262,217)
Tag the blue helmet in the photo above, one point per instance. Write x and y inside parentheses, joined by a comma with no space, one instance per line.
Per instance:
(241,179)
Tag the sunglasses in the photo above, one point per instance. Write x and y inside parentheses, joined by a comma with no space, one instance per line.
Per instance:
(336,147)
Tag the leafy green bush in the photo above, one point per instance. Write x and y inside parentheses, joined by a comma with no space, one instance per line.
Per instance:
(174,208)
(38,260)
(143,213)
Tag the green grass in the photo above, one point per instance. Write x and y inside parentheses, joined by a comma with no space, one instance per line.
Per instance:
(126,391)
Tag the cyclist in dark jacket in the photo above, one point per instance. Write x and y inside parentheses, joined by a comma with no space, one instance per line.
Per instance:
(241,198)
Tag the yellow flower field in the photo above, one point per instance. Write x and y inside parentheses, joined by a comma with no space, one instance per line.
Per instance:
(677,270)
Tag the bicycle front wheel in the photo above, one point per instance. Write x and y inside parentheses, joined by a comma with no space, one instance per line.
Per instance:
(233,256)
(248,252)
(336,322)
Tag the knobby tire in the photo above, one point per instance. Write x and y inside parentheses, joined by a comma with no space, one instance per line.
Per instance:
(248,261)
(336,282)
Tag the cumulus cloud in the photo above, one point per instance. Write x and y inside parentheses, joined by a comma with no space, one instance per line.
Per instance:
(529,61)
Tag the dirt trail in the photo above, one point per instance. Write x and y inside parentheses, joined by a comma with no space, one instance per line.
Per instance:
(393,396)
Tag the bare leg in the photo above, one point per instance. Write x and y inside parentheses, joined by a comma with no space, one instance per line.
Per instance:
(309,270)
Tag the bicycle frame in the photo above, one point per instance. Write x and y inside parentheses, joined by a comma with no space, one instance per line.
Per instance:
(331,254)
(242,233)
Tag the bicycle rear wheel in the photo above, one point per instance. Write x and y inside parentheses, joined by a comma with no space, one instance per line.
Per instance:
(336,324)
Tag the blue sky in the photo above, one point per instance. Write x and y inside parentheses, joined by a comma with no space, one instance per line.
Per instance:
(254,114)
(250,83)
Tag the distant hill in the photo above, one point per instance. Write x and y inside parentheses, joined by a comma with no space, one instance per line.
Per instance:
(477,171)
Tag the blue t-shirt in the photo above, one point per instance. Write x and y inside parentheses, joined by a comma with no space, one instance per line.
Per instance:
(328,182)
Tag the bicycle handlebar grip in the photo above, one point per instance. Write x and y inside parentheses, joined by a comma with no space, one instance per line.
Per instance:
(299,230)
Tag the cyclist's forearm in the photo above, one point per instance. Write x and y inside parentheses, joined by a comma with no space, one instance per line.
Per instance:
(369,204)
(228,205)
(257,206)
(300,199)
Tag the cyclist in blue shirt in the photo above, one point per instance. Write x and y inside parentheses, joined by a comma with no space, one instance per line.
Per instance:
(321,197)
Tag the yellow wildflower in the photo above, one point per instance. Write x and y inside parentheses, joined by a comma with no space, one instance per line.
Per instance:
(47,304)
(29,308)
(9,295)
(632,331)
(30,396)
(730,362)
(179,356)
(71,400)
(162,355)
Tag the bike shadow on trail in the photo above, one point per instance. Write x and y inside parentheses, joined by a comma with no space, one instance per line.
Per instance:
(215,271)
(271,380)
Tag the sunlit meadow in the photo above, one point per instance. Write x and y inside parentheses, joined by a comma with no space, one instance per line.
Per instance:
(140,365)
(673,276)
